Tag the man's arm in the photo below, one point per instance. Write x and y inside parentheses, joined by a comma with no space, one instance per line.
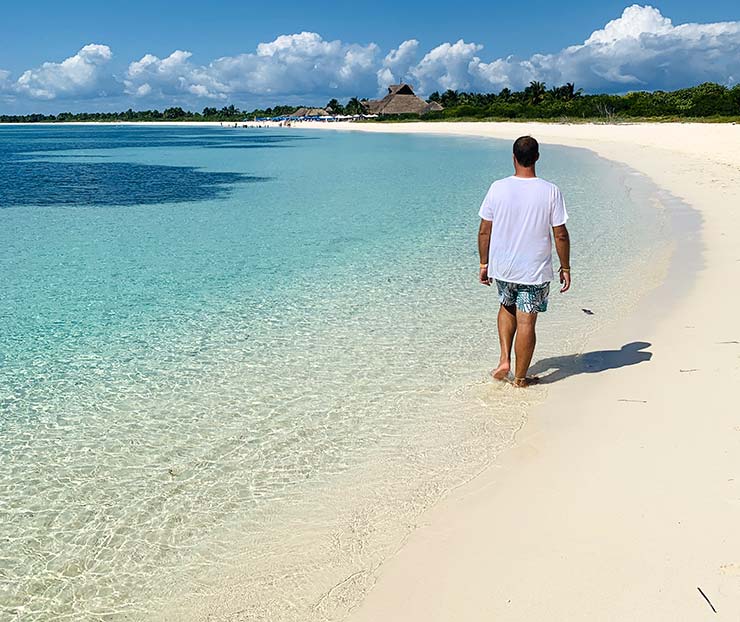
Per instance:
(484,242)
(562,246)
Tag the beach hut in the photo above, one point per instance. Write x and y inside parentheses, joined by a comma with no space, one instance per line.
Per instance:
(400,99)
(309,112)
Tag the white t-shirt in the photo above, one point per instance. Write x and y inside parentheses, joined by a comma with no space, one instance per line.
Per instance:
(523,211)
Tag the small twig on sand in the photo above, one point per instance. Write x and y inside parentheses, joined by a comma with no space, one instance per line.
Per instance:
(635,401)
(724,343)
(709,602)
(686,371)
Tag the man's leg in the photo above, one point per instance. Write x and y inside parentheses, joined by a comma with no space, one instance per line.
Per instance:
(506,330)
(526,339)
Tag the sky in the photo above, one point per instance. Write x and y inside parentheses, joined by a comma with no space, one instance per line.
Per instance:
(74,56)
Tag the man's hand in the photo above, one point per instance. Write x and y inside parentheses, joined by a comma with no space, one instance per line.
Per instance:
(564,281)
(483,277)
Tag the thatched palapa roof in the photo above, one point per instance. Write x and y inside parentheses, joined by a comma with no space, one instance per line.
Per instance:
(400,100)
(310,112)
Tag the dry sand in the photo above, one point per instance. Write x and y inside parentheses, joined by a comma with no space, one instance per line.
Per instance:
(621,496)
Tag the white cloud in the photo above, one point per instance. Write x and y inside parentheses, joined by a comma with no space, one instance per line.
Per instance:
(173,75)
(642,49)
(636,20)
(302,64)
(83,74)
(397,63)
(446,67)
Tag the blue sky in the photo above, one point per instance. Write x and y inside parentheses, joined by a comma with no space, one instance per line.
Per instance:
(92,55)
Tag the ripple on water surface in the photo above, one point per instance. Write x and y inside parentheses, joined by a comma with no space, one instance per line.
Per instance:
(232,396)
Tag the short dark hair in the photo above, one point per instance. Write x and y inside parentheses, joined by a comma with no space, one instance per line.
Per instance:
(526,150)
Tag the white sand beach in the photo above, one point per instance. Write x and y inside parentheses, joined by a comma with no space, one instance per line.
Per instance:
(621,497)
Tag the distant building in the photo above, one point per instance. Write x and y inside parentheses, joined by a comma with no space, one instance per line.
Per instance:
(400,100)
(310,112)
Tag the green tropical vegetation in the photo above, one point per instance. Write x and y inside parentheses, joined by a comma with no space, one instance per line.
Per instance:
(538,102)
(227,113)
(708,101)
(352,107)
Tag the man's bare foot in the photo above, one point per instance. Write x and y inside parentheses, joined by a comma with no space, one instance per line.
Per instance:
(521,383)
(501,371)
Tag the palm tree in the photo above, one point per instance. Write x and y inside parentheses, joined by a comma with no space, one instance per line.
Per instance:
(334,107)
(536,92)
(449,98)
(354,106)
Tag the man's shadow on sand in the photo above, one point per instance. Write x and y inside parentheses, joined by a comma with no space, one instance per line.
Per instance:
(556,368)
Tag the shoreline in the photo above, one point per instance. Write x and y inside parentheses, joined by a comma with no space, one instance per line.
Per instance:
(151,123)
(574,121)
(631,490)
(364,522)
(555,525)
(348,586)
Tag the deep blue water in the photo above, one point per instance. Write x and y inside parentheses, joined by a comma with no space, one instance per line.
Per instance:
(34,172)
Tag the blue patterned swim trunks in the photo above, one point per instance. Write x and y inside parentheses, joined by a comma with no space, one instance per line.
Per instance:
(527,298)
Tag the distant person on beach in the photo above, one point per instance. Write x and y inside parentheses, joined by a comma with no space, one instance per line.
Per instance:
(515,250)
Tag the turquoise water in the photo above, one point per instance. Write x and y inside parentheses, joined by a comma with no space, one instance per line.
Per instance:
(237,365)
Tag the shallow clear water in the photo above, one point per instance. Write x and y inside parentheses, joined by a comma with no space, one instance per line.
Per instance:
(237,365)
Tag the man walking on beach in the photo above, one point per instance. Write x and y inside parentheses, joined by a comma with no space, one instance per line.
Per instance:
(516,251)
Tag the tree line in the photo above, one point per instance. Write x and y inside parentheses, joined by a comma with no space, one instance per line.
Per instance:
(227,113)
(536,101)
